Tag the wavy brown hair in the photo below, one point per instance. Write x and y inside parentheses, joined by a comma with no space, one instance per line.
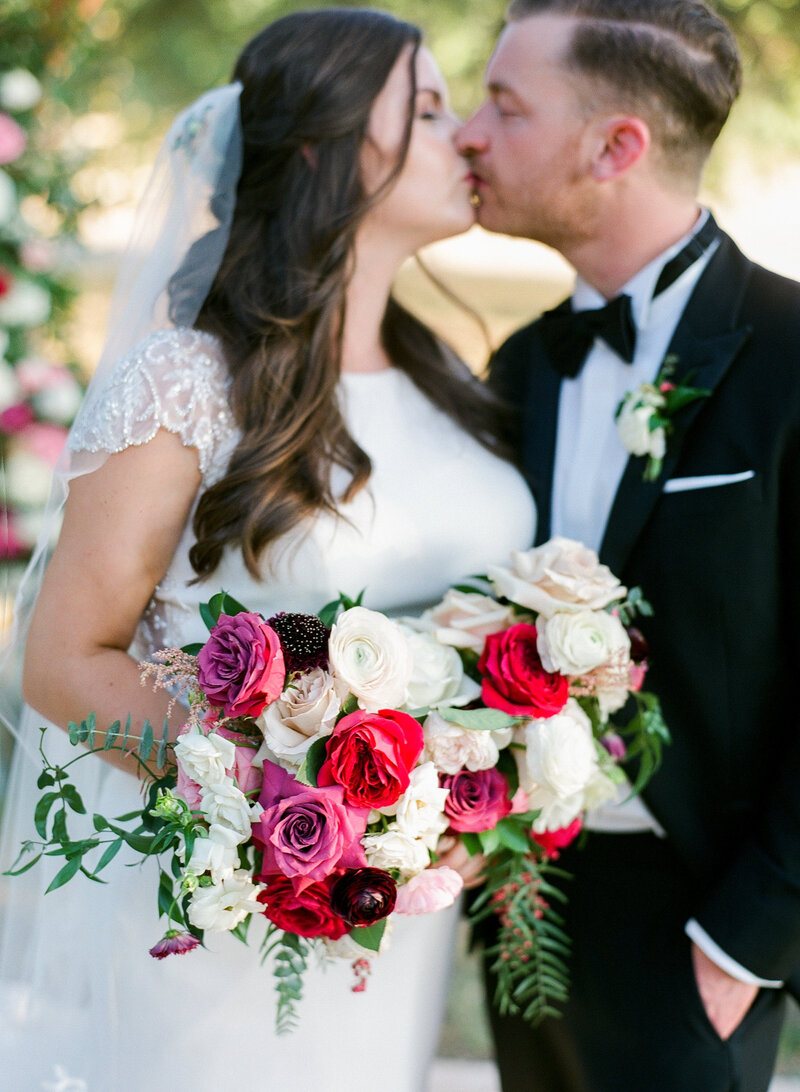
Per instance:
(278,301)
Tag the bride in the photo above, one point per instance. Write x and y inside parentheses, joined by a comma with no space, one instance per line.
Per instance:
(285,430)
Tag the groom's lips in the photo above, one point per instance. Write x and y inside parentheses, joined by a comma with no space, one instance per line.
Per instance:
(476,181)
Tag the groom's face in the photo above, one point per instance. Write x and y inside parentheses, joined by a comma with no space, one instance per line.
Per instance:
(528,142)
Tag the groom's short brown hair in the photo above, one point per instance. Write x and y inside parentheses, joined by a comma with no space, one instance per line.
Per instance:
(675,62)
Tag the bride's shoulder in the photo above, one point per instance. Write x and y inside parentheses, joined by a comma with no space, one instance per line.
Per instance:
(178,355)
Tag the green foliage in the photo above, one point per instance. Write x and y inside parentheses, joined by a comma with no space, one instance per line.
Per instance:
(645,733)
(290,959)
(370,936)
(479,720)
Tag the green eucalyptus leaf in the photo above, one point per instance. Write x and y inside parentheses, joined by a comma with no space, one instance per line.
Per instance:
(74,733)
(111,734)
(161,754)
(369,936)
(145,747)
(479,720)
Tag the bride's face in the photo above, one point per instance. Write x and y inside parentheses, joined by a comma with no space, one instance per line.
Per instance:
(430,197)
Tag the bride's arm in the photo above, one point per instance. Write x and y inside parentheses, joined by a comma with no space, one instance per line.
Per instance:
(122,524)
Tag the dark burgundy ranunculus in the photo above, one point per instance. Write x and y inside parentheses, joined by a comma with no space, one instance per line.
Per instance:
(308,912)
(514,678)
(478,799)
(364,895)
(241,665)
(371,756)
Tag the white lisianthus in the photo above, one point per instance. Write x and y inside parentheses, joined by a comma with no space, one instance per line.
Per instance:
(225,904)
(371,656)
(451,748)
(9,387)
(634,425)
(8,198)
(28,478)
(214,856)
(304,712)
(465,619)
(228,811)
(420,810)
(576,643)
(561,575)
(395,850)
(205,758)
(437,674)
(19,90)
(560,754)
(25,303)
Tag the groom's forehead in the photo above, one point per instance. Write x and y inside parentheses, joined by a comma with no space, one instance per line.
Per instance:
(531,48)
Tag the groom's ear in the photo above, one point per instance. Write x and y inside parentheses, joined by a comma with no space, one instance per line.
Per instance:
(620,142)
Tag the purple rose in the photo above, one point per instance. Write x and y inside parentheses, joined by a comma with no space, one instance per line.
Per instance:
(306,833)
(478,800)
(241,665)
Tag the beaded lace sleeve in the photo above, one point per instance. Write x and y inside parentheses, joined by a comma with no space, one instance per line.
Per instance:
(176,380)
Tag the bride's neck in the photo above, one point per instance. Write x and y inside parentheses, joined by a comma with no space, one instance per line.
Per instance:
(367,296)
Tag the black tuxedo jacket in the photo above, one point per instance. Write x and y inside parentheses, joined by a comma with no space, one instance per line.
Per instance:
(721,567)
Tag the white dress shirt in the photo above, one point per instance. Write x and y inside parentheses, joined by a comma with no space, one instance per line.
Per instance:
(589,463)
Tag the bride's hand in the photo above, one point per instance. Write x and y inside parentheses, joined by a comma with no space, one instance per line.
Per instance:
(452,854)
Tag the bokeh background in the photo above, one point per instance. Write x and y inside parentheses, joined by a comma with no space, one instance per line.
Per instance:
(87,89)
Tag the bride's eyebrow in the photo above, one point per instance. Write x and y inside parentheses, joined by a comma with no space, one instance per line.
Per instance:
(436,95)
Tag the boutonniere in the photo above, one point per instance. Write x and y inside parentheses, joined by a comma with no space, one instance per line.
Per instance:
(644,416)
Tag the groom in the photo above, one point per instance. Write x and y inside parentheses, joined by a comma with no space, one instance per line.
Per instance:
(685,907)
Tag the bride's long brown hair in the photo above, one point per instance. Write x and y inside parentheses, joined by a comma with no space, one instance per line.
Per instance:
(277,303)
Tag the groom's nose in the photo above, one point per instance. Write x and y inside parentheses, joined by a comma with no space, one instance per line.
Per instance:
(471,138)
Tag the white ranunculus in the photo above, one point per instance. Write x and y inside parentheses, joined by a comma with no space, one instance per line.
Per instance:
(560,754)
(9,387)
(555,812)
(576,643)
(214,856)
(227,808)
(60,401)
(27,478)
(451,747)
(633,426)
(465,619)
(304,712)
(226,904)
(560,575)
(393,849)
(8,198)
(437,674)
(370,655)
(420,810)
(25,304)
(205,758)
(19,90)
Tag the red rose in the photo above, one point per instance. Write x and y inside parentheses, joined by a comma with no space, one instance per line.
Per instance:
(477,801)
(371,755)
(515,680)
(551,841)
(308,912)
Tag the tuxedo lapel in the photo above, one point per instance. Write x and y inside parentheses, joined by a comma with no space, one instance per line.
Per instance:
(706,341)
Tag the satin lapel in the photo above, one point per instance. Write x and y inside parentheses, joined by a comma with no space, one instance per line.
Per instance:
(539,441)
(707,340)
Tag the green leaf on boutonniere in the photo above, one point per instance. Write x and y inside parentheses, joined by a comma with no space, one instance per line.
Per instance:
(369,936)
(478,720)
(312,763)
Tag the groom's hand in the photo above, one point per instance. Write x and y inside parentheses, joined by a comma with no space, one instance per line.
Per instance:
(452,854)
(726,999)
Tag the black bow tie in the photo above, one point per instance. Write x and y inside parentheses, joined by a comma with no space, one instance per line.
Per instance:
(569,335)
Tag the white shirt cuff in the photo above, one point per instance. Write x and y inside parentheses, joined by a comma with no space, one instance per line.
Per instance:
(697,933)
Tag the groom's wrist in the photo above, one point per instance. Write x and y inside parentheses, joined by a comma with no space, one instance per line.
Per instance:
(726,963)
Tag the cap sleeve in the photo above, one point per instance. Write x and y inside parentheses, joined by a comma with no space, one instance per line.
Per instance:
(176,380)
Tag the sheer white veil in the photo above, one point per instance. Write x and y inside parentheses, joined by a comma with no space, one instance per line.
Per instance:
(180,233)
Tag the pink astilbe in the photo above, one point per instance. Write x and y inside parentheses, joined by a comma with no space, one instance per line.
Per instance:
(176,670)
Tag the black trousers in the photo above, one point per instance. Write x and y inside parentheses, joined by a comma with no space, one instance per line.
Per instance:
(635,1021)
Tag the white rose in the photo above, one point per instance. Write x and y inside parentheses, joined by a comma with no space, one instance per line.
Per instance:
(304,712)
(9,387)
(228,811)
(576,643)
(8,198)
(393,849)
(633,426)
(226,904)
(555,812)
(205,758)
(560,753)
(465,619)
(28,479)
(420,810)
(451,747)
(60,401)
(559,575)
(214,856)
(437,674)
(25,303)
(19,90)
(370,654)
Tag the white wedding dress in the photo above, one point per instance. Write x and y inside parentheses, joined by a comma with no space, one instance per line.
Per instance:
(84,1007)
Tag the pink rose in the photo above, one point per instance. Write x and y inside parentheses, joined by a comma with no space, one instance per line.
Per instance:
(514,678)
(16,418)
(241,665)
(305,833)
(372,755)
(551,841)
(477,801)
(429,891)
(11,542)
(45,441)
(13,139)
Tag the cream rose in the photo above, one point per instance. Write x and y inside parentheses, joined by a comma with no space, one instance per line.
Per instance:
(576,643)
(226,904)
(304,712)
(420,810)
(633,427)
(452,748)
(561,575)
(465,619)
(370,655)
(560,754)
(395,850)
(437,674)
(205,758)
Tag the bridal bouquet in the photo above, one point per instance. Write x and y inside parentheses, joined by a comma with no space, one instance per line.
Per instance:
(323,758)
